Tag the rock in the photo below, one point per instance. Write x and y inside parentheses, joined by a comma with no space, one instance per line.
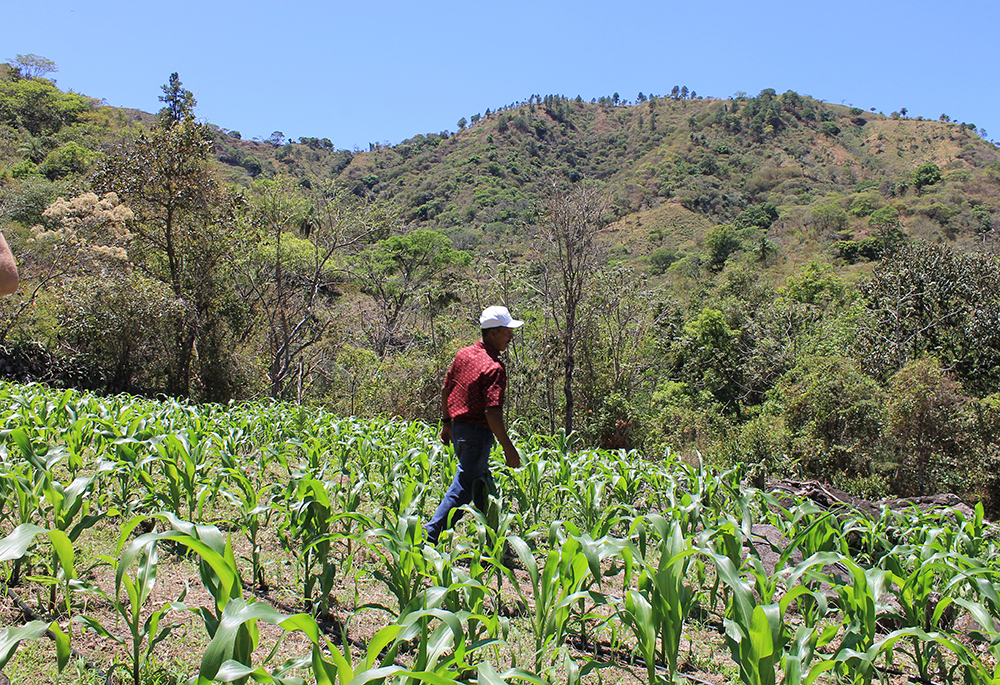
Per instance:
(823,495)
(928,503)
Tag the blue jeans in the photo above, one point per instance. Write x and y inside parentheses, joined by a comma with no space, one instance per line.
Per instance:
(472,447)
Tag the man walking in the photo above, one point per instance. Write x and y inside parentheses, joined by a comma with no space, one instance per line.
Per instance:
(472,417)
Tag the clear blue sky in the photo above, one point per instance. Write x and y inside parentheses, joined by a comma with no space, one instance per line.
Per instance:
(382,71)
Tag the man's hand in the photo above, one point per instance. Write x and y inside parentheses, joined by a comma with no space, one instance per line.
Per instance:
(512,457)
(446,433)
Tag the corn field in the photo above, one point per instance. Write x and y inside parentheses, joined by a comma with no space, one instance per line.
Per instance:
(301,536)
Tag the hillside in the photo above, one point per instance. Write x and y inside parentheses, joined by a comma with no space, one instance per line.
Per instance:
(703,157)
(677,166)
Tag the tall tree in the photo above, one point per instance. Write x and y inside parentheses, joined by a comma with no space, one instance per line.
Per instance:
(570,254)
(923,300)
(179,103)
(188,234)
(33,66)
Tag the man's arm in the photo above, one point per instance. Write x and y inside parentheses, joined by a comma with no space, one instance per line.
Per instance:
(494,418)
(8,269)
(445,418)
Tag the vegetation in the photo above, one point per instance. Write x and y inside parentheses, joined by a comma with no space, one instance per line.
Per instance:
(694,271)
(284,544)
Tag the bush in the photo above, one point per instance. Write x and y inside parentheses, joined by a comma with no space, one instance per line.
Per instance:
(121,324)
(939,212)
(833,413)
(24,169)
(720,243)
(925,430)
(853,251)
(828,128)
(681,421)
(865,204)
(25,202)
(661,259)
(757,216)
(829,218)
(925,175)
(253,166)
(762,447)
(66,160)
(614,425)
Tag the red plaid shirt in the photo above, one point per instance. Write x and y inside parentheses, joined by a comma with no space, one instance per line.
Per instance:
(476,381)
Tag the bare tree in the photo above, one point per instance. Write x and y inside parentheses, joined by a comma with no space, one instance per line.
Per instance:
(570,254)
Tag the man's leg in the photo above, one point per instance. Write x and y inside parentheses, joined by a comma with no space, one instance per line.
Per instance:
(472,447)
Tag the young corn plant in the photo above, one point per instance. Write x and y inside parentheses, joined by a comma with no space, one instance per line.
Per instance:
(661,603)
(255,512)
(756,633)
(556,589)
(532,489)
(306,533)
(859,602)
(138,585)
(183,460)
(231,623)
(489,548)
(26,492)
(405,567)
(65,510)
(130,466)
(925,582)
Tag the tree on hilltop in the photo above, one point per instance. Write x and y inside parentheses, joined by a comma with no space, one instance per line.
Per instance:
(33,66)
(179,103)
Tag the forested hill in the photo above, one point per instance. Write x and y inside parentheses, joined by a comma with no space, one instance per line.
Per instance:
(824,168)
(677,165)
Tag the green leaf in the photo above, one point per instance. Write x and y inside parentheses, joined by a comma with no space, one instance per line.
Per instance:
(762,643)
(521,674)
(63,650)
(11,637)
(22,440)
(15,545)
(235,615)
(93,624)
(64,550)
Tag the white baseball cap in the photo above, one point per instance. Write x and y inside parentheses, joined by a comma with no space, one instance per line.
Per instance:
(495,317)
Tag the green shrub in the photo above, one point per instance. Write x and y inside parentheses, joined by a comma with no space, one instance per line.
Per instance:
(925,175)
(865,204)
(763,446)
(828,128)
(833,413)
(24,169)
(661,259)
(66,160)
(681,421)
